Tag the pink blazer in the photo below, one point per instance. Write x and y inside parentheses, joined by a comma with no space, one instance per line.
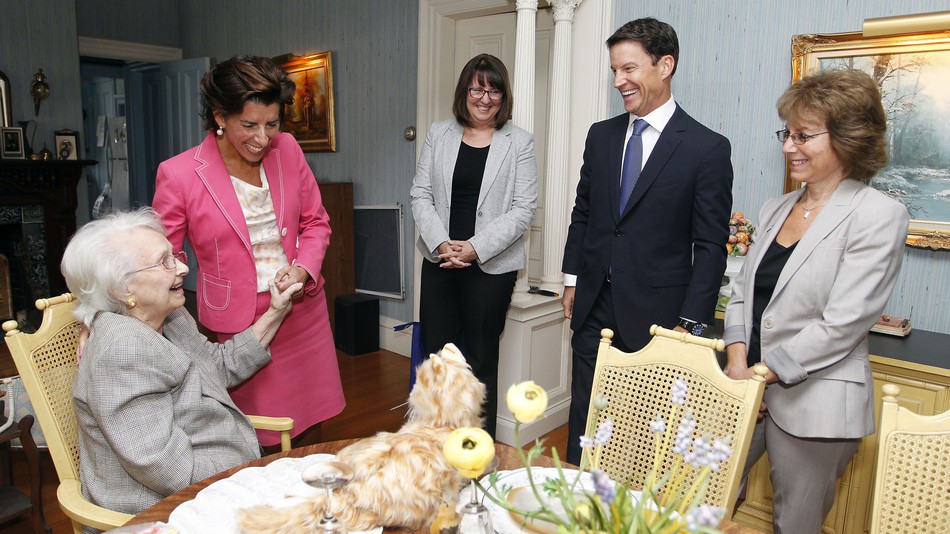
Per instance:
(195,198)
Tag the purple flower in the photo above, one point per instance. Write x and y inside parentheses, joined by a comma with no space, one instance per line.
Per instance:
(604,486)
(604,430)
(699,456)
(586,442)
(704,515)
(683,433)
(719,453)
(679,391)
(658,426)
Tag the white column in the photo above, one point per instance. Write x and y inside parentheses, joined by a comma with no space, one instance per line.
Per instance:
(523,113)
(557,200)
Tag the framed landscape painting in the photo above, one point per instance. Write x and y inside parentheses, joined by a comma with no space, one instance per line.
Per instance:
(310,119)
(912,72)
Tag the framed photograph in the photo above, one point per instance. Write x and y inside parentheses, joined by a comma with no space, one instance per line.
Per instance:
(67,144)
(912,72)
(12,143)
(310,119)
(6,108)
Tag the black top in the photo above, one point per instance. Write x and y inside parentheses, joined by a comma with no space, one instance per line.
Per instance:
(766,276)
(466,183)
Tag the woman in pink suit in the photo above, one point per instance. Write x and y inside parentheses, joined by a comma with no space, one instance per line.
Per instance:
(250,207)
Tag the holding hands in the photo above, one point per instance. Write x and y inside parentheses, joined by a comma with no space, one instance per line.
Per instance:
(289,275)
(280,300)
(456,254)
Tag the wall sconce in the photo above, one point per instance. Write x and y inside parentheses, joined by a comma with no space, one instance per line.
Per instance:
(39,90)
(923,22)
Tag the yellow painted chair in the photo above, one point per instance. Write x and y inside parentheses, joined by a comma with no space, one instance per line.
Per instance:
(912,483)
(46,361)
(638,386)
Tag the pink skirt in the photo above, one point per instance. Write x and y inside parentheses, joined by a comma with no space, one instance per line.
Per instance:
(303,378)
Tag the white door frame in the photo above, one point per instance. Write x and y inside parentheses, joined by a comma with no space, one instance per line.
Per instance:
(437,76)
(590,86)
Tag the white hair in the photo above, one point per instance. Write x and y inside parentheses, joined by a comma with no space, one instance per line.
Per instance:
(98,260)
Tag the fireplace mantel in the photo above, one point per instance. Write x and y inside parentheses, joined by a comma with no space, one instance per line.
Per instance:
(51,185)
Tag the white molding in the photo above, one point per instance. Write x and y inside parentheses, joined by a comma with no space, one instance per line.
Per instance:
(398,342)
(128,51)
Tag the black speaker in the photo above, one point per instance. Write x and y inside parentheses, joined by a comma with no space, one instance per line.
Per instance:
(357,324)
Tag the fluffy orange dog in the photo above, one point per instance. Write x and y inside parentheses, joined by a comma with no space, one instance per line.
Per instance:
(401,478)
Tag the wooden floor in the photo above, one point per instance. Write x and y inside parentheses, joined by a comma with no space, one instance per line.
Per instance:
(376,385)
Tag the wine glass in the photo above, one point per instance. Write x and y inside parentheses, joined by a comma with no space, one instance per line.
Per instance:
(475,517)
(329,475)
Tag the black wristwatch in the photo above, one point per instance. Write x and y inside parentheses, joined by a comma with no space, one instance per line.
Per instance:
(692,327)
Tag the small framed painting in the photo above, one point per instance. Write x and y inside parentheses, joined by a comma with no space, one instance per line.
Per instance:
(67,144)
(310,119)
(12,147)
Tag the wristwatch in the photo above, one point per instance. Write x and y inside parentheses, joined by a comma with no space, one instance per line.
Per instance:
(692,327)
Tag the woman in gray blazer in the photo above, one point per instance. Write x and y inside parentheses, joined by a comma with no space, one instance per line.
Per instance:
(473,197)
(818,277)
(151,394)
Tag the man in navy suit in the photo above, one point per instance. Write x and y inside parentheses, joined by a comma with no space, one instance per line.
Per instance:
(647,237)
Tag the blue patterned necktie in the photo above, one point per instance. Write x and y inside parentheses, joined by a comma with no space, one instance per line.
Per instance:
(632,161)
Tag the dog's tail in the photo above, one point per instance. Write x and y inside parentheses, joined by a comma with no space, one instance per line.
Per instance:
(302,518)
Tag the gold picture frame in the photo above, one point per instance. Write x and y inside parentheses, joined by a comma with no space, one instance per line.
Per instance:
(912,71)
(310,119)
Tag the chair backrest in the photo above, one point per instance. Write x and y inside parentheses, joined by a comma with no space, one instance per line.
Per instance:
(46,361)
(913,470)
(638,388)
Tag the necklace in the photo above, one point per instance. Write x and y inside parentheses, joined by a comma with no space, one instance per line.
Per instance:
(809,210)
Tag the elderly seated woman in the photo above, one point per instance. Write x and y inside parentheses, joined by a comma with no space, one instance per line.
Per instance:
(151,395)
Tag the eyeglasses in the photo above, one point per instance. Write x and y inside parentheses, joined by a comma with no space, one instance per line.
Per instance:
(478,92)
(169,262)
(798,138)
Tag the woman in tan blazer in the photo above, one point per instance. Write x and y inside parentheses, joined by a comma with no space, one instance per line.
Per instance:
(818,277)
(473,197)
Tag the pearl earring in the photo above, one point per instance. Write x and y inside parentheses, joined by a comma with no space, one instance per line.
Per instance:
(130,302)
(220,131)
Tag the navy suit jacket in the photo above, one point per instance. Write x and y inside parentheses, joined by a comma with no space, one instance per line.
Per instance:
(666,253)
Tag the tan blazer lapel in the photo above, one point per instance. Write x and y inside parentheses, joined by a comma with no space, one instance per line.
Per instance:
(500,145)
(839,206)
(214,175)
(449,156)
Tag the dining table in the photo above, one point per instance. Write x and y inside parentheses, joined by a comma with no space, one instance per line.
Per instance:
(507,455)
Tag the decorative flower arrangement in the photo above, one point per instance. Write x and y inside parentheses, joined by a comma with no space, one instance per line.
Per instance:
(740,235)
(663,506)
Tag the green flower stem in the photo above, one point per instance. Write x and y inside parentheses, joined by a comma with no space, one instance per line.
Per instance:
(667,441)
(694,489)
(680,471)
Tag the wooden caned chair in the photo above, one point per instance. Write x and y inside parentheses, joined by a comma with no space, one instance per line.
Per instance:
(912,483)
(46,361)
(638,386)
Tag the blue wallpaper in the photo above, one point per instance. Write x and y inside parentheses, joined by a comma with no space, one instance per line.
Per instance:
(374,46)
(735,63)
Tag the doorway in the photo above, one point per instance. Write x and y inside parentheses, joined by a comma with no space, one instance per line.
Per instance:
(105,137)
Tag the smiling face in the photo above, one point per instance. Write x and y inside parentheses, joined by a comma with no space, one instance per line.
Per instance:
(157,290)
(482,110)
(249,133)
(815,161)
(642,85)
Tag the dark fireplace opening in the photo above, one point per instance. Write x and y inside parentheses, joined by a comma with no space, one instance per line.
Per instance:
(23,243)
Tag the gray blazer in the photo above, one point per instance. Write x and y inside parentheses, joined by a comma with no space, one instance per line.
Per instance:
(814,329)
(153,411)
(506,201)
